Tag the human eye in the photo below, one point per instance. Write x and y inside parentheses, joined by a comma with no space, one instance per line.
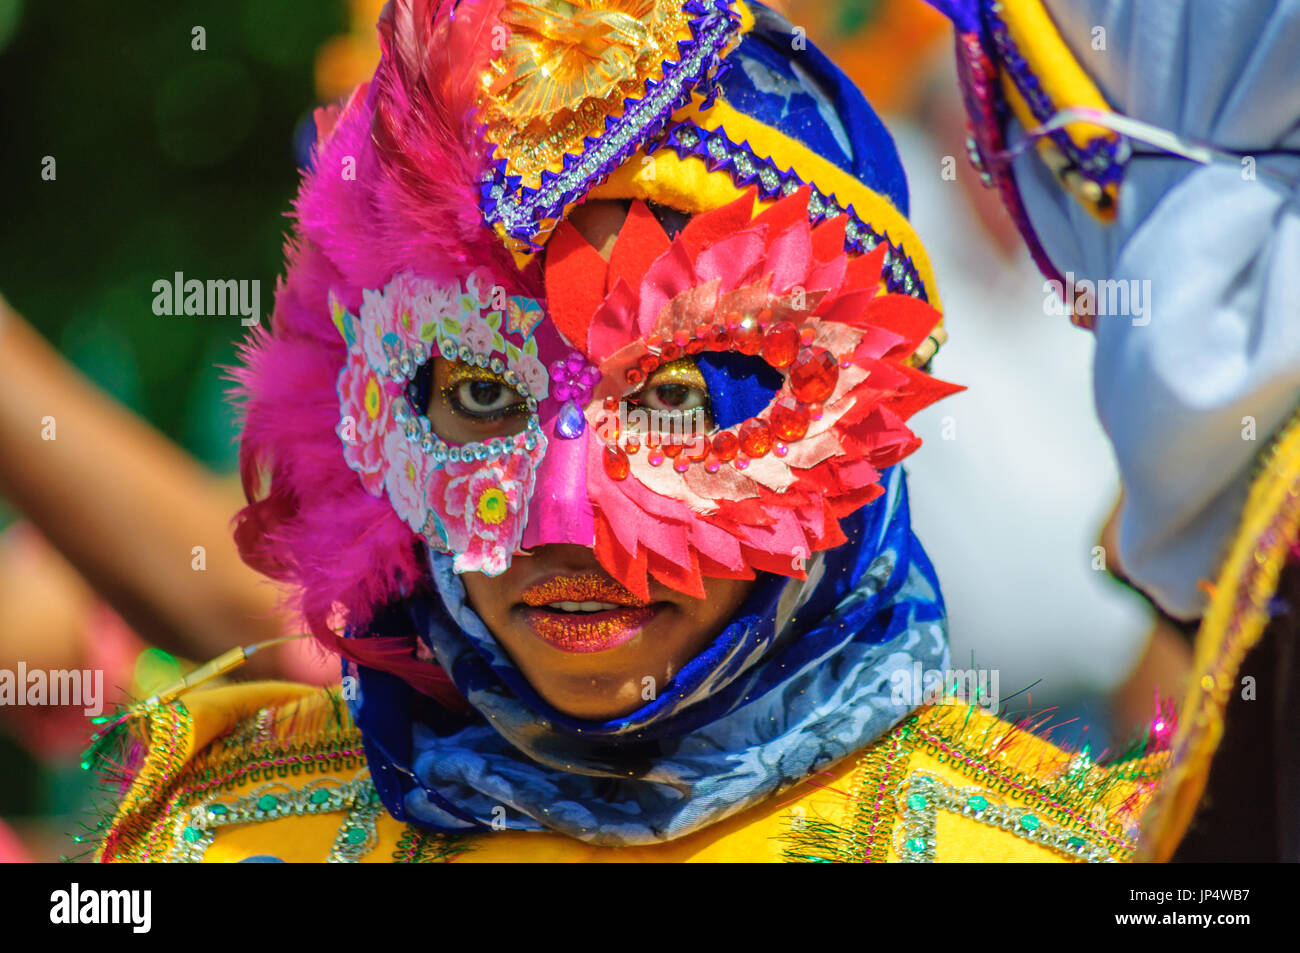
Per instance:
(477,392)
(675,392)
(472,402)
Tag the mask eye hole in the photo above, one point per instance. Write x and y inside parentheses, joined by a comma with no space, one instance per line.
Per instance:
(467,403)
(674,398)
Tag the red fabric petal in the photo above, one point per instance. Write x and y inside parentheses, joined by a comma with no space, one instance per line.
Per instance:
(711,227)
(575,283)
(640,241)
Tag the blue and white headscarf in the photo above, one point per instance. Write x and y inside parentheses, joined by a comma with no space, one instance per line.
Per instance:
(803,676)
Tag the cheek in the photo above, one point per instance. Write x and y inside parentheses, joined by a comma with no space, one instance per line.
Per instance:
(489,596)
(722,597)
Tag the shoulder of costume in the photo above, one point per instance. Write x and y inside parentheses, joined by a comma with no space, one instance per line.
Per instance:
(954,783)
(229,755)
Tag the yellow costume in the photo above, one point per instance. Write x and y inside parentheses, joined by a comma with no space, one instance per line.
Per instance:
(275,770)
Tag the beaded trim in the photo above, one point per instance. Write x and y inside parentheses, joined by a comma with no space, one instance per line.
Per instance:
(747,168)
(523,213)
(194,832)
(138,815)
(168,787)
(418,846)
(1073,802)
(924,796)
(1076,795)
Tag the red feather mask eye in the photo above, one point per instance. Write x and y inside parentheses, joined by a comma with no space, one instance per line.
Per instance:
(763,492)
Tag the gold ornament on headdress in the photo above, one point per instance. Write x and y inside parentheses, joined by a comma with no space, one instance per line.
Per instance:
(566,67)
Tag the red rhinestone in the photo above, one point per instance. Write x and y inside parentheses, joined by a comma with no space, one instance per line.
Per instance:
(749,339)
(634,376)
(617,464)
(722,339)
(647,363)
(681,464)
(703,332)
(815,410)
(682,337)
(813,375)
(725,445)
(633,445)
(764,317)
(733,320)
(669,352)
(611,402)
(654,458)
(789,419)
(741,463)
(780,449)
(808,334)
(713,466)
(781,344)
(671,449)
(699,450)
(755,438)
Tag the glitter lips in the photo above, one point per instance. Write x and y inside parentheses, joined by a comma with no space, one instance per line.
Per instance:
(584,613)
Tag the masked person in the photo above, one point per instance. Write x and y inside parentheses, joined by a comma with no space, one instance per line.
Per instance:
(577,437)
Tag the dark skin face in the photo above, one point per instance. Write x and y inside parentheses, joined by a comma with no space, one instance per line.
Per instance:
(669,632)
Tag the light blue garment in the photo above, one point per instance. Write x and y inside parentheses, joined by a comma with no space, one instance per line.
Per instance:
(805,675)
(1215,358)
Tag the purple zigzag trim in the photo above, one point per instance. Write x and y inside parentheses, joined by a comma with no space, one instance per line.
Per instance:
(746,168)
(1099,161)
(522,210)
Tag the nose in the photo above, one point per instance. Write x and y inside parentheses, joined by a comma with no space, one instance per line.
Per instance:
(560,510)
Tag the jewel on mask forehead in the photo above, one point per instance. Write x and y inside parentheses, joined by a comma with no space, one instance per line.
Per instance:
(570,423)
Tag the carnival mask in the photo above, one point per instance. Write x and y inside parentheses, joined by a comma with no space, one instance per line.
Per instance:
(708,405)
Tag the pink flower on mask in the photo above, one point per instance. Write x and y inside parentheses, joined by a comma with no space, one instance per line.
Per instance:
(432,305)
(478,336)
(366,408)
(407,470)
(373,319)
(533,373)
(480,287)
(400,317)
(488,502)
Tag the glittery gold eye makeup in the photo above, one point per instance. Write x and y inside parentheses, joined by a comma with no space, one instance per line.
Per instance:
(468,402)
(676,393)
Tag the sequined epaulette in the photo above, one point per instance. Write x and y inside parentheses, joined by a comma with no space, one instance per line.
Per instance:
(954,783)
(245,755)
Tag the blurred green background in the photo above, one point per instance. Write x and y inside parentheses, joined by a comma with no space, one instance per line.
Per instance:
(168,159)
